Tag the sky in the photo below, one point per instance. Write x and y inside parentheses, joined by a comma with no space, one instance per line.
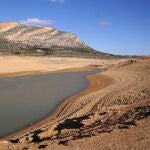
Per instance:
(112,26)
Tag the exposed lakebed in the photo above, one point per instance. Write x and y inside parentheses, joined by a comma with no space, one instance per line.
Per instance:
(25,100)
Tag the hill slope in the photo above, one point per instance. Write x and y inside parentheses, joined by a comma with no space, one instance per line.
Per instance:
(17,38)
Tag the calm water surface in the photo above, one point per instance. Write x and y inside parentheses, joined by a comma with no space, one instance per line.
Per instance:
(25,100)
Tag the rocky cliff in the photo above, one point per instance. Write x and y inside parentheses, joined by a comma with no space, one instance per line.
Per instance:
(18,38)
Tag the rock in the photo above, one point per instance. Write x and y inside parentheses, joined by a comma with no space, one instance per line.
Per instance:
(123,126)
(48,133)
(30,138)
(22,140)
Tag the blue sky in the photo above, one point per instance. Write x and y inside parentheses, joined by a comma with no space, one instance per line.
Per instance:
(113,26)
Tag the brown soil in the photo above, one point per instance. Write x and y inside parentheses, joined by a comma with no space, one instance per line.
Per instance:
(113,113)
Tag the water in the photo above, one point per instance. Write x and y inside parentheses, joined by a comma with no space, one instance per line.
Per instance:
(26,99)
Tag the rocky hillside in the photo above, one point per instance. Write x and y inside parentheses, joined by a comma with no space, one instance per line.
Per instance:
(17,38)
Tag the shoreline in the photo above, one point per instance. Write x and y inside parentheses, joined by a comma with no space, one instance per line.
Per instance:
(109,107)
(38,72)
(47,119)
(51,119)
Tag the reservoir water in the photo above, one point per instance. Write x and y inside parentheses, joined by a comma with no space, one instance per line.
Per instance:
(25,100)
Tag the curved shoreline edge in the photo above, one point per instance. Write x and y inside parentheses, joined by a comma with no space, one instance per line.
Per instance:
(114,110)
(51,118)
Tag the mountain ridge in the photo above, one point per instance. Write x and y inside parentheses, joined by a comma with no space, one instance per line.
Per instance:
(18,38)
(35,36)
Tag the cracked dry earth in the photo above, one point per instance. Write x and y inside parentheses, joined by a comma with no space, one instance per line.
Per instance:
(113,113)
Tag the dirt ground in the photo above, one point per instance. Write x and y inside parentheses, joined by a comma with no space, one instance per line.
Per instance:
(113,113)
(22,65)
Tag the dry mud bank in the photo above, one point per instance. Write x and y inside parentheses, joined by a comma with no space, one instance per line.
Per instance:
(113,113)
(22,65)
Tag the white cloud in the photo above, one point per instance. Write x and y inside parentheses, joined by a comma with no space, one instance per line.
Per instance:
(57,1)
(105,23)
(36,22)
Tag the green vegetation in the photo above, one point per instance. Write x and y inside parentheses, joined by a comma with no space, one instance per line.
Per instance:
(8,47)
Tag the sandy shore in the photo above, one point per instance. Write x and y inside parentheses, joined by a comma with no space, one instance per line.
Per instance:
(22,65)
(113,113)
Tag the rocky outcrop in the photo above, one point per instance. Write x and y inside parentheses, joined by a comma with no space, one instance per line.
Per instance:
(16,38)
(44,37)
